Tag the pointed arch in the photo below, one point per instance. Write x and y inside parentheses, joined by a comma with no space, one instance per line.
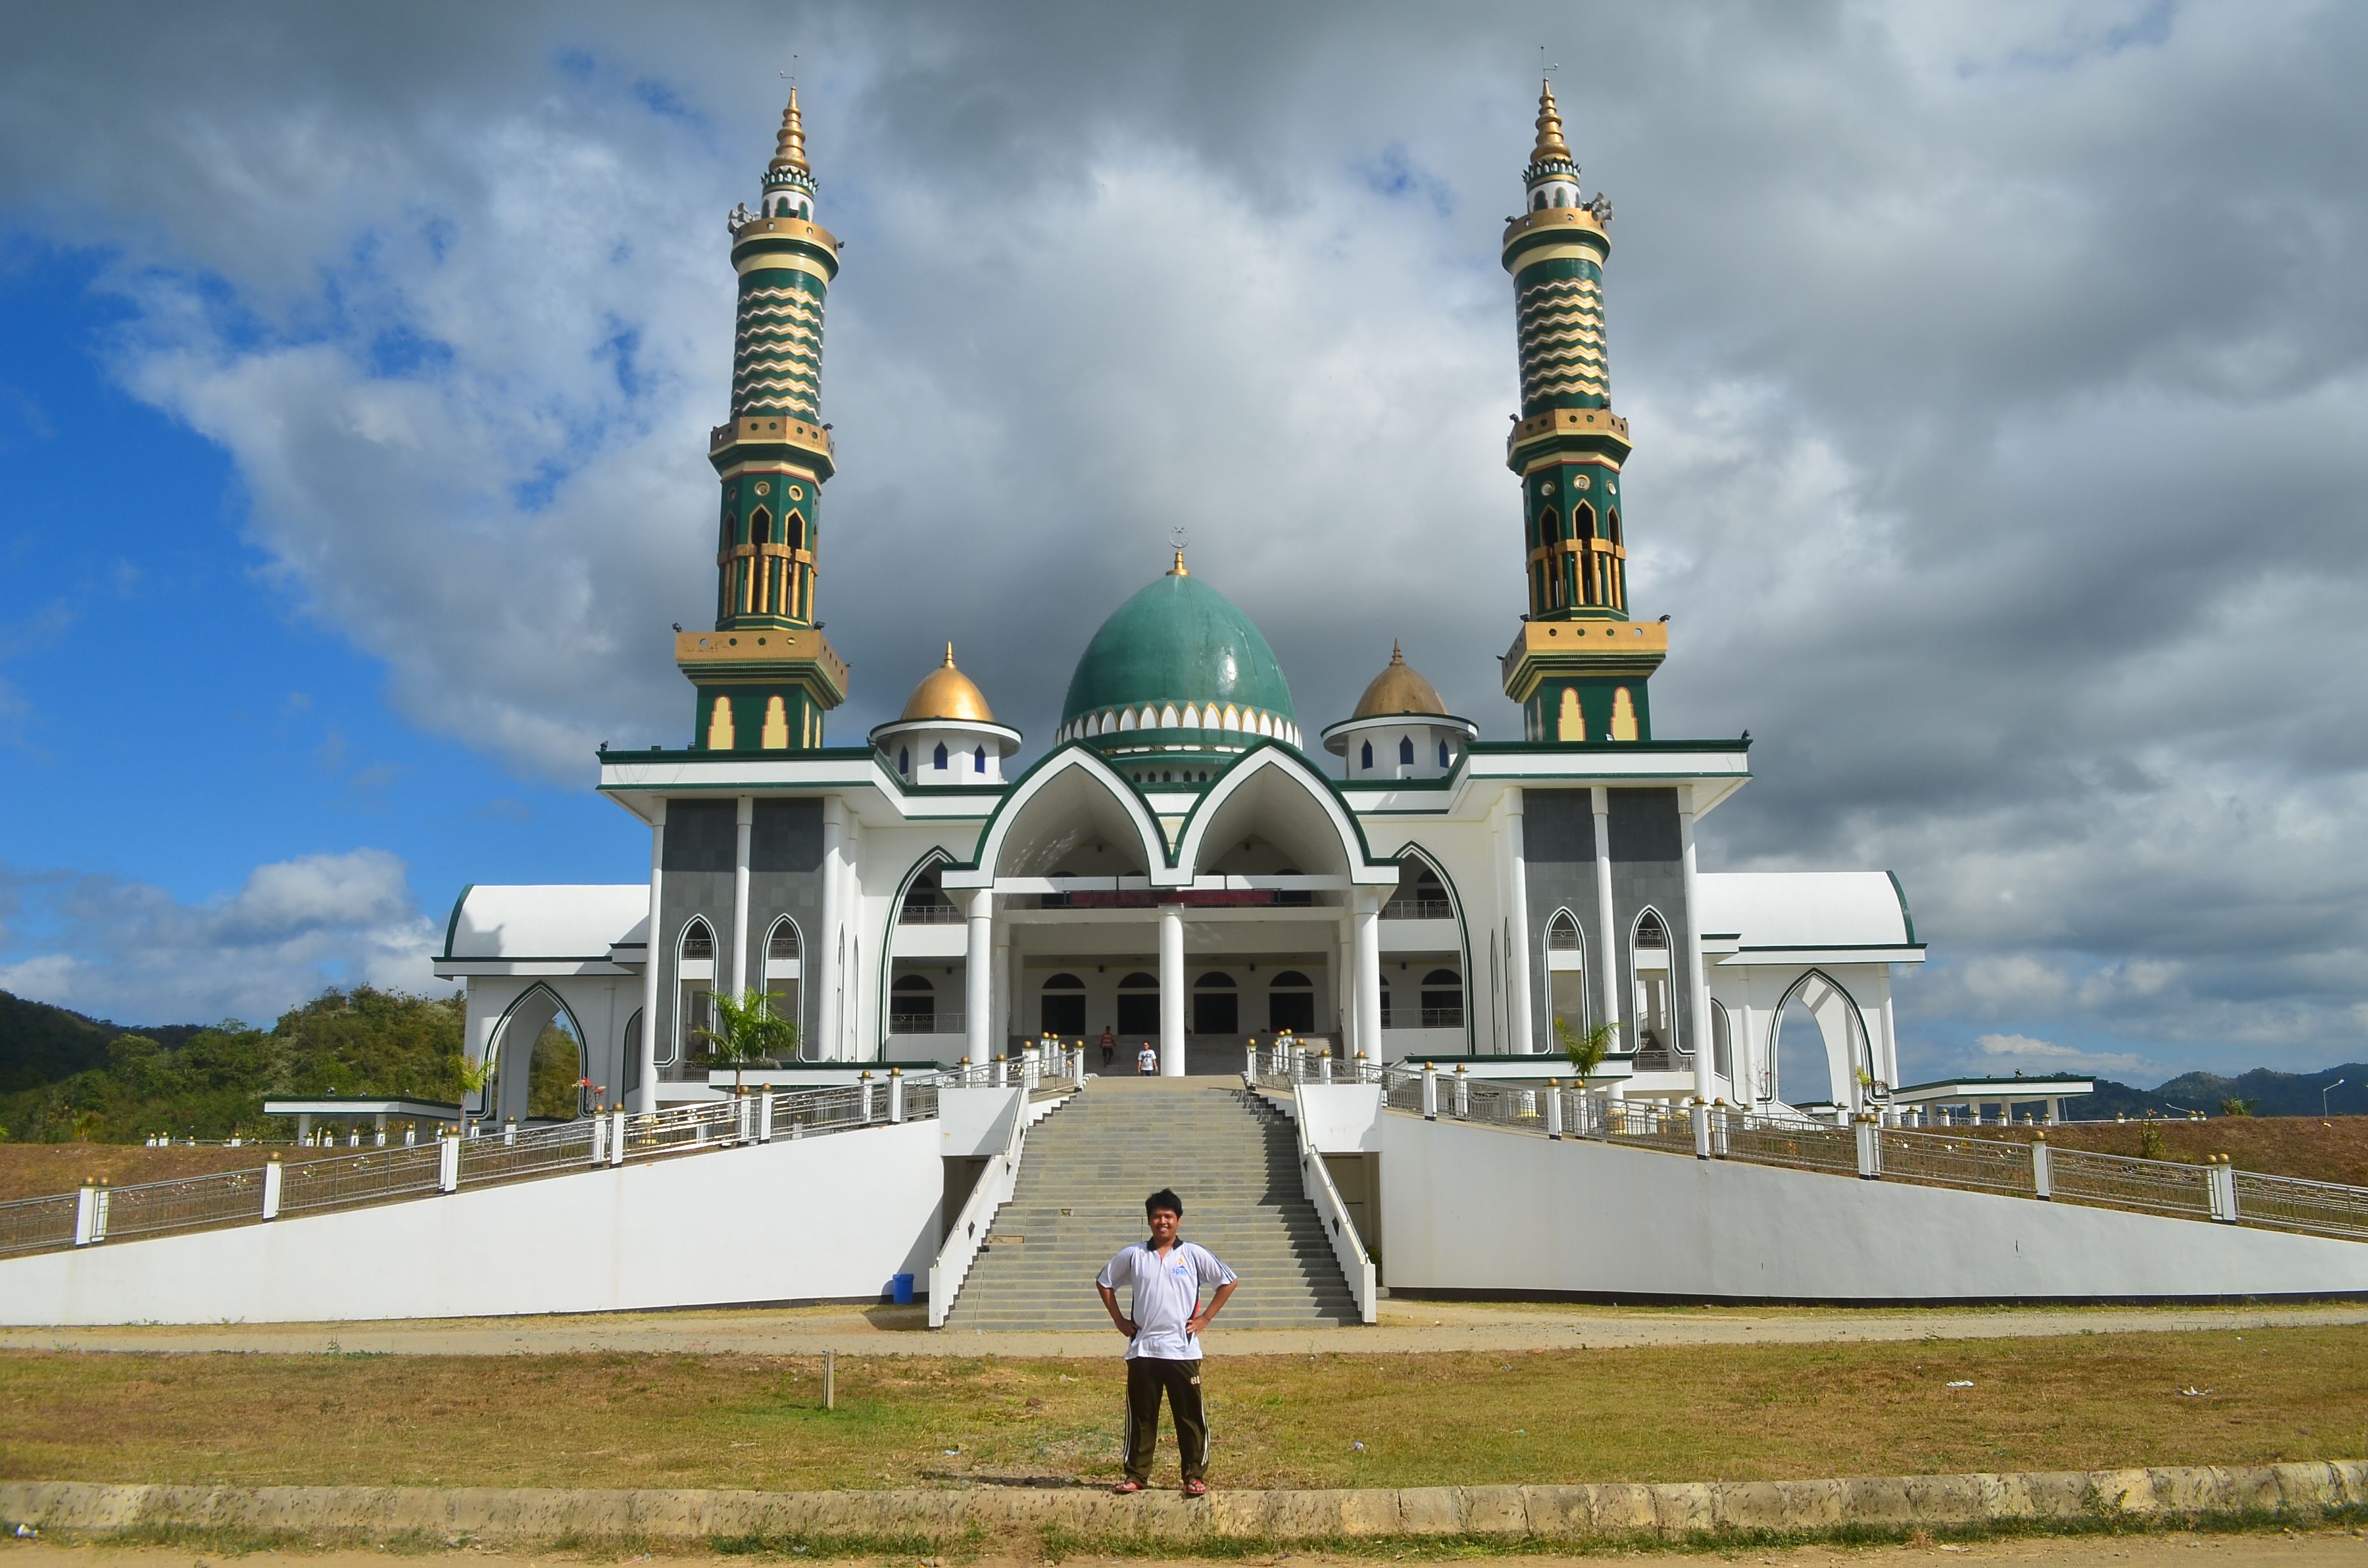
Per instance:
(1549,529)
(1834,1011)
(527,1058)
(1651,984)
(1570,719)
(794,525)
(1582,519)
(1275,794)
(1070,796)
(1624,715)
(760,526)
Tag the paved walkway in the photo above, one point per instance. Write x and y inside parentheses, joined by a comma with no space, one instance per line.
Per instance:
(1404,1326)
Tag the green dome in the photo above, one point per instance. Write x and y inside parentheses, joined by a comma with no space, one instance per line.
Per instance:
(1179,644)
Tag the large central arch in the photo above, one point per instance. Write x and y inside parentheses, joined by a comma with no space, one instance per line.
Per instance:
(1070,814)
(1274,794)
(508,1095)
(1841,1031)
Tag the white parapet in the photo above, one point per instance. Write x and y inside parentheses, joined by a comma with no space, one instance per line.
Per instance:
(1476,1210)
(796,1220)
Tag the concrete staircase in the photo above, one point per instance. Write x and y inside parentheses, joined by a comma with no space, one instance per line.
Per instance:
(1087,1168)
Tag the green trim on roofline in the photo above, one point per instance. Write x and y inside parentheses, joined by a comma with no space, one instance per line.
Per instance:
(1901,894)
(1509,748)
(452,925)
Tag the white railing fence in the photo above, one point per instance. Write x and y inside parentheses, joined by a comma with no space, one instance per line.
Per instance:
(450,1161)
(2212,1191)
(1348,1247)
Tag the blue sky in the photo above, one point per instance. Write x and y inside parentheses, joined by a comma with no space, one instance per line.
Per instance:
(1996,374)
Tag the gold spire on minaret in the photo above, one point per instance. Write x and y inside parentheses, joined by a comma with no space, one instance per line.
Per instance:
(1551,147)
(789,151)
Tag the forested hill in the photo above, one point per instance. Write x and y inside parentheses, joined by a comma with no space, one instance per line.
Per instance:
(63,1076)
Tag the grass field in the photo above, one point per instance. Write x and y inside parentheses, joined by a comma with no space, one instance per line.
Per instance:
(1740,1412)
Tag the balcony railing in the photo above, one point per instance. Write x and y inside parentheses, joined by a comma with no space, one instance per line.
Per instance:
(945,1020)
(1418,909)
(917,913)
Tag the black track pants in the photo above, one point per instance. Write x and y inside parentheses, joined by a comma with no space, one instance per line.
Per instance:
(1146,1378)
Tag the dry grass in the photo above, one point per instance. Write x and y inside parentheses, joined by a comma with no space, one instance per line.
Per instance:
(1740,1412)
(2333,1150)
(36,1170)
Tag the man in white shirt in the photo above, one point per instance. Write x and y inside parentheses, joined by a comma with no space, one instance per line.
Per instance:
(1163,1277)
(1146,1062)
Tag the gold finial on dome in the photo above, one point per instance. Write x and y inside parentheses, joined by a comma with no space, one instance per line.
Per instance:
(947,693)
(789,151)
(1551,147)
(1399,689)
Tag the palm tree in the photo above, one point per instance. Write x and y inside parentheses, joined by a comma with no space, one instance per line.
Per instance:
(1585,1051)
(749,1030)
(473,1076)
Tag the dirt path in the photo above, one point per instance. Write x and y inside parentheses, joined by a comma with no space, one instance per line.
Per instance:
(1404,1326)
(2303,1550)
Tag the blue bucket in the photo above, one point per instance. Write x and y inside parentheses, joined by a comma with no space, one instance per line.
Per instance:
(902,1288)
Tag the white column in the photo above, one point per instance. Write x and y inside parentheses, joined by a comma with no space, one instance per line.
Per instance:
(1890,1071)
(1367,941)
(654,959)
(1171,991)
(1615,1010)
(1344,986)
(1521,1009)
(978,976)
(747,824)
(823,954)
(1008,962)
(1749,1045)
(1697,980)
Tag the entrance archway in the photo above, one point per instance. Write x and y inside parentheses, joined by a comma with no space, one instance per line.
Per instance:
(539,1062)
(1820,1045)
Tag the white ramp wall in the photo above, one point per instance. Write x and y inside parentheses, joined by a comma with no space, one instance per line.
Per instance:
(1469,1210)
(813,1218)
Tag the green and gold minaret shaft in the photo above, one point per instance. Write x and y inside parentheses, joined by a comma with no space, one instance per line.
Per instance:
(766,675)
(1579,668)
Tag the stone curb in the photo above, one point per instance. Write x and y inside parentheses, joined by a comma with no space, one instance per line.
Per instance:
(1540,1512)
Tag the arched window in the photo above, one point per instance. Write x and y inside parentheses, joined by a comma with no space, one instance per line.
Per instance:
(694,989)
(1565,974)
(1216,1005)
(793,529)
(1624,715)
(1442,753)
(1583,516)
(1063,1010)
(1539,204)
(1549,527)
(1365,755)
(978,761)
(912,1005)
(1442,1000)
(1405,751)
(724,544)
(1291,1003)
(1420,895)
(1653,1015)
(1570,719)
(761,526)
(904,761)
(1138,1005)
(1722,1053)
(783,968)
(941,757)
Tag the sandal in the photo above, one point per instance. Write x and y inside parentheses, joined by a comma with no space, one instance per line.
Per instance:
(1128,1487)
(1196,1489)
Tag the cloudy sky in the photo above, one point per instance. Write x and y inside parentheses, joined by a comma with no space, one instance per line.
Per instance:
(1999,375)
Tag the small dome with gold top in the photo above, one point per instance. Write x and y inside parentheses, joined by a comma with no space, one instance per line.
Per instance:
(1399,689)
(947,733)
(947,693)
(1401,728)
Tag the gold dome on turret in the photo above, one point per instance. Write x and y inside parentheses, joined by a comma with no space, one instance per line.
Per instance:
(1399,689)
(947,693)
(789,150)
(1551,147)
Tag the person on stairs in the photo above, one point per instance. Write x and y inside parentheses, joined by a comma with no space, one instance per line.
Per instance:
(1146,1062)
(1165,1277)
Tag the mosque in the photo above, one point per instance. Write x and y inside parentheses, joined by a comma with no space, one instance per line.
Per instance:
(1179,867)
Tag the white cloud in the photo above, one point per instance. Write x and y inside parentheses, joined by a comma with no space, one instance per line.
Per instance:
(132,952)
(2013,1051)
(1996,375)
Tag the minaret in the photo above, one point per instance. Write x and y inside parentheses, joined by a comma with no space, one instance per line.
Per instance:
(766,675)
(1580,666)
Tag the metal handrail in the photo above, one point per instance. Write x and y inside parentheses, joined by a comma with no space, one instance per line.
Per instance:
(2290,1203)
(37,1225)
